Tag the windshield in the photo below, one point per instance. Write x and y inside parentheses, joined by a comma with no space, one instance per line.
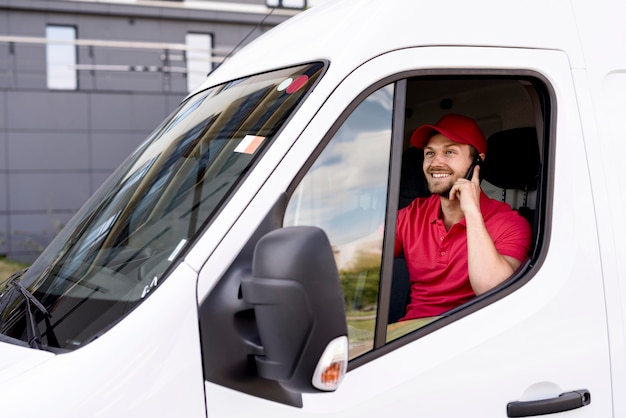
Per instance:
(118,247)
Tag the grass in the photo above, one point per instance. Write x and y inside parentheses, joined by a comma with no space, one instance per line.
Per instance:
(8,267)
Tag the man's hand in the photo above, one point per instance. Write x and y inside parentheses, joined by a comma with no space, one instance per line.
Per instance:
(468,193)
(486,267)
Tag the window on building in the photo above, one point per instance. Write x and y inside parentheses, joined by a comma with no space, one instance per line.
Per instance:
(288,4)
(61,58)
(199,58)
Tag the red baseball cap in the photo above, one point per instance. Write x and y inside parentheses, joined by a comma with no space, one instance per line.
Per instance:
(458,128)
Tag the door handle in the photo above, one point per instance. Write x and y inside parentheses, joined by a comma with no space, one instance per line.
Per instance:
(564,402)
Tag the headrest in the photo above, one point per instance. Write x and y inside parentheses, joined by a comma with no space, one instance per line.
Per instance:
(512,160)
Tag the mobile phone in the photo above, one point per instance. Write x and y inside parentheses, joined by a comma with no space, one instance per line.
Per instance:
(477,162)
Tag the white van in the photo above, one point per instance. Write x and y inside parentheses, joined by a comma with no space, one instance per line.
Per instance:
(240,262)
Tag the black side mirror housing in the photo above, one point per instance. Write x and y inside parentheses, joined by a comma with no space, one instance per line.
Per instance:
(298,304)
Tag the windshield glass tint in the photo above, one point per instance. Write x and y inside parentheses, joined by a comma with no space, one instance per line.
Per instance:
(116,250)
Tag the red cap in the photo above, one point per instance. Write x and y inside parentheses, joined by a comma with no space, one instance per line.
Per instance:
(458,128)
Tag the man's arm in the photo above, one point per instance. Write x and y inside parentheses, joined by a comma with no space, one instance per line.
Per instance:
(487,268)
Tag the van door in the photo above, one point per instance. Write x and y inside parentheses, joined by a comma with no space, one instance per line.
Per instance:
(536,345)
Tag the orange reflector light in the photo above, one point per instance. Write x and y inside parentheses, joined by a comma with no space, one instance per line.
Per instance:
(332,365)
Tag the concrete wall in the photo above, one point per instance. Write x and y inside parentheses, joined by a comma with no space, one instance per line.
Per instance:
(57,146)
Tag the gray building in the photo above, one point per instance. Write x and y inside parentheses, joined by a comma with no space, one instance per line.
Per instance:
(82,83)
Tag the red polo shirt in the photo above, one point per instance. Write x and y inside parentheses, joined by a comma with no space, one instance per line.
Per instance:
(437,259)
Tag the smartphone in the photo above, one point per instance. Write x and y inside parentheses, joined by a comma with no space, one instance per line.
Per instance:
(477,162)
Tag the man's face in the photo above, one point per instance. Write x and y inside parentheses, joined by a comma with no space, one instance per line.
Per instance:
(445,161)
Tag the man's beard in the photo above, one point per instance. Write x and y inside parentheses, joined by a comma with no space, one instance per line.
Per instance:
(443,191)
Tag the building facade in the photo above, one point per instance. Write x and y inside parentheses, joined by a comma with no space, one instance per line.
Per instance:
(82,83)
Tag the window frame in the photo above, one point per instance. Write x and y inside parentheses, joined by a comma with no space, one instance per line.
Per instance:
(526,271)
(547,106)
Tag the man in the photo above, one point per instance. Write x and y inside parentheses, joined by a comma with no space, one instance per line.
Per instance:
(458,243)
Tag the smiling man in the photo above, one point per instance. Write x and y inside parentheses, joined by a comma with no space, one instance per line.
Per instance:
(458,243)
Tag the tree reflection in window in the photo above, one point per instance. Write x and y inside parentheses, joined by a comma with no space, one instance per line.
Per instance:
(344,193)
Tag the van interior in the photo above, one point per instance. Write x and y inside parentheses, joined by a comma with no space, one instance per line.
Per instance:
(512,112)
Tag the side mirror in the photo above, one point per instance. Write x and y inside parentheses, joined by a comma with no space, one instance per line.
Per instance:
(299,310)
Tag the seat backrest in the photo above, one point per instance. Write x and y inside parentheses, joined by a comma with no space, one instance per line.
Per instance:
(512,164)
(412,179)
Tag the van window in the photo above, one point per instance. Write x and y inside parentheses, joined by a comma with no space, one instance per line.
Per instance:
(345,194)
(513,115)
(347,191)
(117,249)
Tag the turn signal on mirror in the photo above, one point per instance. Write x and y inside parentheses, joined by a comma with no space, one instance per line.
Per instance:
(332,365)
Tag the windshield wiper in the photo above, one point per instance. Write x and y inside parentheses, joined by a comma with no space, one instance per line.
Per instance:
(34,336)
(14,276)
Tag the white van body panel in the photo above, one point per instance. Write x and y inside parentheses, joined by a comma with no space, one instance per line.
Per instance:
(17,360)
(603,106)
(600,89)
(147,365)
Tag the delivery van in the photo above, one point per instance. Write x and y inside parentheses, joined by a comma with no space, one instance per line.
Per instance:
(240,262)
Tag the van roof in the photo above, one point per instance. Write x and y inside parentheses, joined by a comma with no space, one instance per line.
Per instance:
(349,32)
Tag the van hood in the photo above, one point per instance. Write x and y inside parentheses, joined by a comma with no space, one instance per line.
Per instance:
(15,359)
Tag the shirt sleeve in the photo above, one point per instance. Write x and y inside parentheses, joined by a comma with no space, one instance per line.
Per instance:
(513,237)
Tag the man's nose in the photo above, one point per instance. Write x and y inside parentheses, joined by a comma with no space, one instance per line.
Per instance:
(436,159)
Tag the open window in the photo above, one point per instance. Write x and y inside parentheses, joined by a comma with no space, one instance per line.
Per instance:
(513,113)
(368,170)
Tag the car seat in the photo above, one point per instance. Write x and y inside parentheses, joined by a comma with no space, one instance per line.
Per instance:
(512,164)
